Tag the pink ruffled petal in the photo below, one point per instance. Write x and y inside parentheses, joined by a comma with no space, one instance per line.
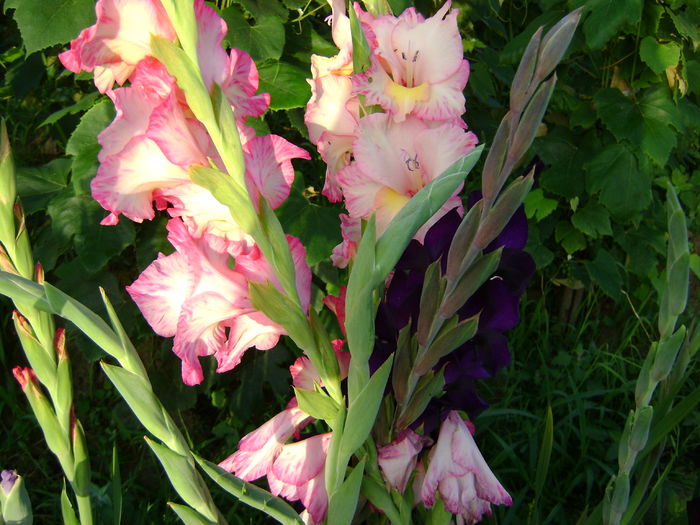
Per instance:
(269,171)
(161,290)
(300,462)
(125,182)
(246,331)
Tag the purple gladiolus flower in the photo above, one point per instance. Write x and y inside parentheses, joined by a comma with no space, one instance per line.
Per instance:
(497,301)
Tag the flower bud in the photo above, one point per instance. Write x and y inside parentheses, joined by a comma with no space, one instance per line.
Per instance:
(15,506)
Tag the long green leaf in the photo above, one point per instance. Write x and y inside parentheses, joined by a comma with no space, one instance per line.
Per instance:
(417,211)
(250,494)
(545,452)
(343,502)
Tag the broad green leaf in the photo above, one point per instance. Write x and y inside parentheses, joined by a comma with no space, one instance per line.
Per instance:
(659,56)
(318,227)
(624,189)
(43,26)
(84,104)
(570,239)
(343,502)
(250,494)
(36,186)
(604,271)
(593,220)
(185,479)
(539,206)
(608,17)
(83,145)
(263,40)
(259,9)
(286,85)
(645,122)
(77,218)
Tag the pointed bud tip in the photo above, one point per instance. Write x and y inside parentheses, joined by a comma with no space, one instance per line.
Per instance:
(24,376)
(59,342)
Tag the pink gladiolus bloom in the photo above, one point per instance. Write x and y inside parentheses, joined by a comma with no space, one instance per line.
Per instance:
(398,459)
(259,449)
(118,41)
(298,474)
(351,230)
(417,66)
(194,296)
(304,373)
(395,160)
(457,470)
(337,306)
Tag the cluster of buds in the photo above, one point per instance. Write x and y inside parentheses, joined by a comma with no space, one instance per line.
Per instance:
(387,131)
(195,294)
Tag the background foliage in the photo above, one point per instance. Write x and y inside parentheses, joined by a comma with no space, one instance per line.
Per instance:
(624,119)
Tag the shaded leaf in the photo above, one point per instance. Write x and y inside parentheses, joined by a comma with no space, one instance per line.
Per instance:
(593,220)
(659,56)
(604,271)
(42,26)
(262,40)
(286,85)
(38,185)
(607,17)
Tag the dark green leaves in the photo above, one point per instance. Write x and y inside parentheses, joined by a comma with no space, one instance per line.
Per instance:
(659,56)
(262,40)
(646,122)
(624,188)
(44,25)
(286,85)
(607,17)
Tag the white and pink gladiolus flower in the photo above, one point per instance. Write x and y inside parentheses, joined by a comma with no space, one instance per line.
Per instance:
(395,160)
(118,41)
(304,373)
(298,474)
(417,65)
(259,449)
(397,460)
(458,472)
(194,296)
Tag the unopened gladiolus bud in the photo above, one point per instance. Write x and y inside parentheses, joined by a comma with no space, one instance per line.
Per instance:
(39,273)
(666,353)
(15,507)
(42,360)
(5,262)
(555,43)
(25,377)
(8,191)
(640,428)
(60,343)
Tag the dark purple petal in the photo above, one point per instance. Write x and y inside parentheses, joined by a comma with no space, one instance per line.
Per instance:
(498,306)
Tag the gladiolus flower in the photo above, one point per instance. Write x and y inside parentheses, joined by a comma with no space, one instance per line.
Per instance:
(398,459)
(458,471)
(259,449)
(298,474)
(194,296)
(393,161)
(118,41)
(417,66)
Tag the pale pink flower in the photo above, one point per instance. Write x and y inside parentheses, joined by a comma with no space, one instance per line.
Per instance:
(457,470)
(417,65)
(398,458)
(395,160)
(259,449)
(118,41)
(351,230)
(304,373)
(298,474)
(194,296)
(337,306)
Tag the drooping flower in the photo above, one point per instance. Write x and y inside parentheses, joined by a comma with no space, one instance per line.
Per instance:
(417,65)
(258,449)
(458,472)
(196,297)
(397,460)
(395,160)
(298,474)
